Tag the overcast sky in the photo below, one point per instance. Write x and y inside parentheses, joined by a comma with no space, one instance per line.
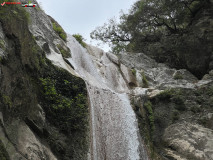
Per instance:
(83,16)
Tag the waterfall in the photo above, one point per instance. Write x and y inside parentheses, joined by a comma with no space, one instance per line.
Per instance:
(115,134)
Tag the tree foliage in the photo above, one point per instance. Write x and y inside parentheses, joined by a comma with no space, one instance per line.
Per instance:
(146,21)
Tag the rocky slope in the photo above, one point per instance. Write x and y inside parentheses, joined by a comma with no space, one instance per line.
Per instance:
(59,100)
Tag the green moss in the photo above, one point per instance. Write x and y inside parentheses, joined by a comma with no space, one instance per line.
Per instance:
(133,72)
(165,95)
(148,107)
(2,44)
(65,52)
(80,39)
(59,31)
(144,80)
(7,101)
(178,76)
(209,91)
(3,153)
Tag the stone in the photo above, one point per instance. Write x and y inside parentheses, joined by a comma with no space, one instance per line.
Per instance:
(189,140)
(128,75)
(113,58)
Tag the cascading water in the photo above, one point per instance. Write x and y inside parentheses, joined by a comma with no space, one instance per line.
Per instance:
(114,124)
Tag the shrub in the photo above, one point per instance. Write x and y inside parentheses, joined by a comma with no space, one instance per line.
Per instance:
(69,114)
(195,109)
(80,39)
(148,107)
(178,99)
(145,81)
(59,31)
(133,72)
(7,101)
(178,76)
(165,95)
(65,52)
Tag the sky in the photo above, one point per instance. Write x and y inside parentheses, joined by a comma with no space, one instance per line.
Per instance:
(83,16)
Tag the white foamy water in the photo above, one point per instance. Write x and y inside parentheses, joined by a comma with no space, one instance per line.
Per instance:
(114,124)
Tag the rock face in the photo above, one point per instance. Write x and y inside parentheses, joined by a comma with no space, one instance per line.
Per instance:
(175,112)
(38,102)
(191,140)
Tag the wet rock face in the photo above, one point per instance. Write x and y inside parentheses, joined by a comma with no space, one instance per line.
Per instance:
(189,140)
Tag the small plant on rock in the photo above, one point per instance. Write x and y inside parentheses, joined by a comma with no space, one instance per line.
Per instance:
(80,39)
(150,114)
(144,80)
(178,75)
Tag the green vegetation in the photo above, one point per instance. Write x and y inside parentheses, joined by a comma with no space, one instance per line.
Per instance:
(2,44)
(146,21)
(7,101)
(133,72)
(144,80)
(165,31)
(148,107)
(178,76)
(57,28)
(67,113)
(80,39)
(65,52)
(3,153)
(195,109)
(165,95)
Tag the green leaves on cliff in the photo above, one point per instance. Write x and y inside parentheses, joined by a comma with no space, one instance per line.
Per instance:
(80,39)
(150,114)
(65,101)
(60,31)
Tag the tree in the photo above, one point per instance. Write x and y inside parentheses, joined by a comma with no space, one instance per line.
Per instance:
(147,21)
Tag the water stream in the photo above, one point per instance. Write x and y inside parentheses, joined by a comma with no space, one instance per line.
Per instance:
(114,124)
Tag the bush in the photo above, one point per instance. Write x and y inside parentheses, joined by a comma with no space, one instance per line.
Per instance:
(65,52)
(178,99)
(80,39)
(165,95)
(59,31)
(145,81)
(178,76)
(148,107)
(195,109)
(67,113)
(133,72)
(7,101)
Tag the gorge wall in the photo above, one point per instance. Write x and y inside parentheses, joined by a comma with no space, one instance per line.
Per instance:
(59,100)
